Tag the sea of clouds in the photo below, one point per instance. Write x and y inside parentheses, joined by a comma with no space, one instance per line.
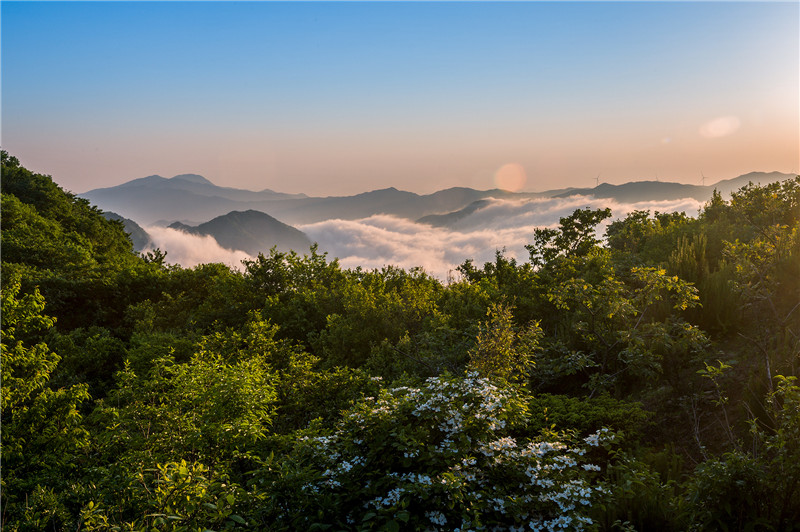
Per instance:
(381,240)
(191,250)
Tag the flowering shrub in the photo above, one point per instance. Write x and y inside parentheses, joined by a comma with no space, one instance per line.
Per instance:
(443,456)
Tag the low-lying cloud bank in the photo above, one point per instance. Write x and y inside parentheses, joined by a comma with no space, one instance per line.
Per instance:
(506,225)
(383,240)
(191,250)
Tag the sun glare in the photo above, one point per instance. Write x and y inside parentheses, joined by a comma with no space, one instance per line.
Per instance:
(720,127)
(510,177)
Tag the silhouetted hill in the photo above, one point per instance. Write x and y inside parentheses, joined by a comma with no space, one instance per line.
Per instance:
(191,196)
(447,220)
(139,236)
(660,190)
(146,205)
(193,178)
(643,190)
(198,184)
(251,231)
(727,186)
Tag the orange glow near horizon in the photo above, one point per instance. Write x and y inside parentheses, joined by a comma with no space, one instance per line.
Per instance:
(510,177)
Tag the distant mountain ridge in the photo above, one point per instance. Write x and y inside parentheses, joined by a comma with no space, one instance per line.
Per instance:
(451,218)
(139,237)
(193,197)
(251,231)
(150,198)
(627,192)
(663,190)
(154,198)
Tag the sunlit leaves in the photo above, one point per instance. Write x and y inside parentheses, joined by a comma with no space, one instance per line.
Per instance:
(576,236)
(501,351)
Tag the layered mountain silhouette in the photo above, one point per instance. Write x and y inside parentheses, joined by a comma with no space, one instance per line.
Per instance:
(192,197)
(239,219)
(251,231)
(152,199)
(197,184)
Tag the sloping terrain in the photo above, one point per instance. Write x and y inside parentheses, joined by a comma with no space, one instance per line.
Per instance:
(250,231)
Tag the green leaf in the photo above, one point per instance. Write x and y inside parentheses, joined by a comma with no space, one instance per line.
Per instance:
(392,526)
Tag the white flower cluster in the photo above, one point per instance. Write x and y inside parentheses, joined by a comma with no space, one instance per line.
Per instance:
(391,499)
(499,449)
(437,518)
(444,398)
(562,522)
(601,436)
(448,438)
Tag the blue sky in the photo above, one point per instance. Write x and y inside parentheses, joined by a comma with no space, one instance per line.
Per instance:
(338,98)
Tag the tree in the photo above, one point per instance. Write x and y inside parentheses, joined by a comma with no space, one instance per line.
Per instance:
(44,437)
(575,236)
(501,352)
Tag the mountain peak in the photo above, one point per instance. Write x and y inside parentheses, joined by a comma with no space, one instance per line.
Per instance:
(251,231)
(193,178)
(154,179)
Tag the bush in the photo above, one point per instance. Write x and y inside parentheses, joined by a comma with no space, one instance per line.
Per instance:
(444,456)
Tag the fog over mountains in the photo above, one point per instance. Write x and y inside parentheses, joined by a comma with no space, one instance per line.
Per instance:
(250,231)
(196,221)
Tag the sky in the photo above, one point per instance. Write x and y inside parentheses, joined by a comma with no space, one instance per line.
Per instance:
(337,98)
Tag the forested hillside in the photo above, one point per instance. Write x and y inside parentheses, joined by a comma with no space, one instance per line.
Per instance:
(642,381)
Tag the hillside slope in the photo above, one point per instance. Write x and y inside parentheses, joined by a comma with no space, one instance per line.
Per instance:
(251,231)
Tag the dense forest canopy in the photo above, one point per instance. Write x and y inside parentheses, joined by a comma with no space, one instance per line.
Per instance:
(645,380)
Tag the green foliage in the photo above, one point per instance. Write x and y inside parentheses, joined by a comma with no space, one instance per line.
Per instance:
(90,356)
(178,497)
(576,236)
(35,198)
(619,326)
(297,292)
(441,346)
(198,299)
(766,274)
(208,412)
(83,264)
(302,392)
(646,239)
(43,432)
(376,306)
(297,395)
(205,409)
(760,490)
(585,415)
(688,260)
(639,497)
(501,352)
(25,369)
